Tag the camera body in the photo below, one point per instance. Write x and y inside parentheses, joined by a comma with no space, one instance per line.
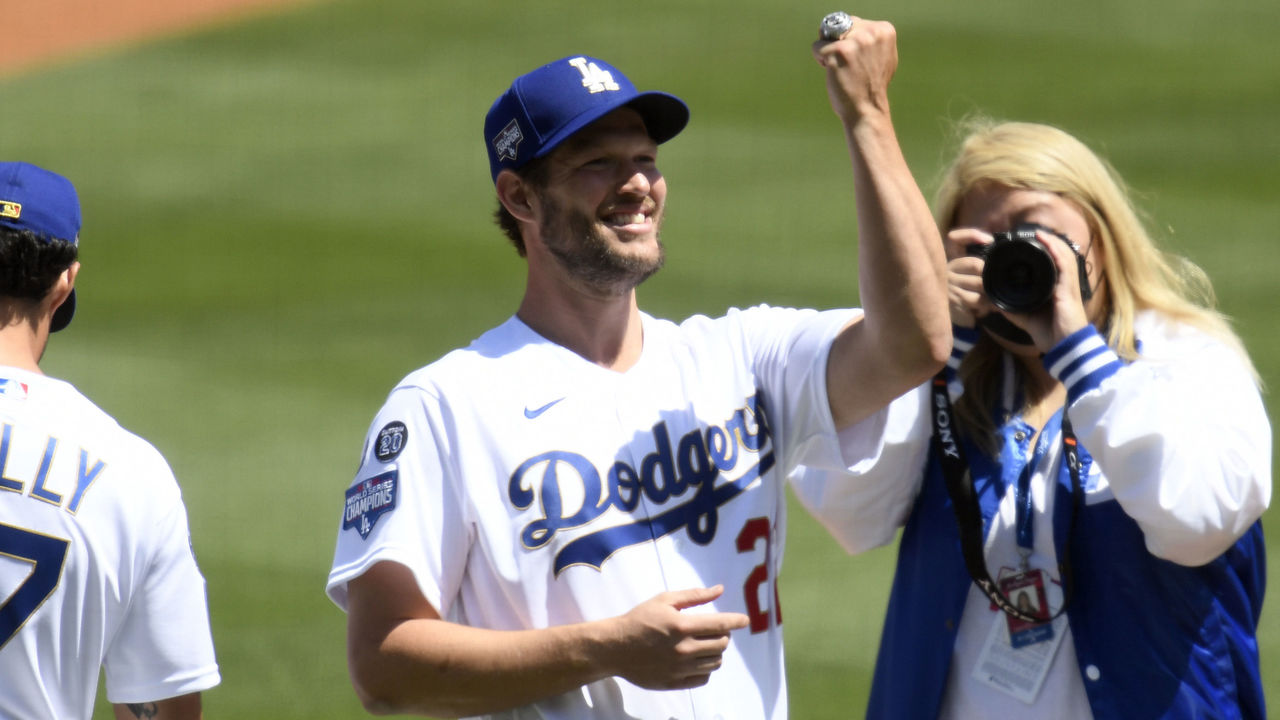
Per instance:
(1019,273)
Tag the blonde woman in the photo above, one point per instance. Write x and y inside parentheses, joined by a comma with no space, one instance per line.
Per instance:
(1148,555)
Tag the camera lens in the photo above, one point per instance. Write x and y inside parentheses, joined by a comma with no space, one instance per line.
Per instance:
(1019,274)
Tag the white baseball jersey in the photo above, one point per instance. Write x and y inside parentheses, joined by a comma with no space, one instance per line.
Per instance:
(527,487)
(96,567)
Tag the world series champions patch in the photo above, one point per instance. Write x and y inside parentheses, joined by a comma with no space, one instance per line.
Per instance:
(369,500)
(506,144)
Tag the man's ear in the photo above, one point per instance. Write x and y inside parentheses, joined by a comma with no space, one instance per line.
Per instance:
(62,287)
(516,196)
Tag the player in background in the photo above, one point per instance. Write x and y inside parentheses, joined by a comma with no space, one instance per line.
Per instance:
(96,566)
(582,513)
(1107,458)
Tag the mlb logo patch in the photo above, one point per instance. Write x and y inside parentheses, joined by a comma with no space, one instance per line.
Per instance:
(10,209)
(369,500)
(13,389)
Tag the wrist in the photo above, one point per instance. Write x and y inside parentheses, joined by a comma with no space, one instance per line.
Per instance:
(868,120)
(1081,361)
(600,648)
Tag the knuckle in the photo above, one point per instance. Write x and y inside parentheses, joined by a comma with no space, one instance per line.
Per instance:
(680,626)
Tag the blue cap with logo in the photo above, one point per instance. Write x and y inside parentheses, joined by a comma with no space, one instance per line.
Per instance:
(542,108)
(32,198)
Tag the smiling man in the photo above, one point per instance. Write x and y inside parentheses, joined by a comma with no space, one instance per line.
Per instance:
(581,514)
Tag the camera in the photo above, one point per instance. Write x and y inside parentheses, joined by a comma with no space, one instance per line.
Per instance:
(1019,273)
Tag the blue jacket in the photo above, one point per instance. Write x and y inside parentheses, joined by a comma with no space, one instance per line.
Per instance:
(1153,638)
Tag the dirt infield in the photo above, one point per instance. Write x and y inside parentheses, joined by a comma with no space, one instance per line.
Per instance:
(45,31)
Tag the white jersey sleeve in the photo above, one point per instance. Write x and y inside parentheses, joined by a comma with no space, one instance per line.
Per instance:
(789,349)
(864,504)
(859,483)
(404,508)
(1145,425)
(163,647)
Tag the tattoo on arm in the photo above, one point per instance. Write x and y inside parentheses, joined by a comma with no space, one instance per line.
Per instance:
(144,710)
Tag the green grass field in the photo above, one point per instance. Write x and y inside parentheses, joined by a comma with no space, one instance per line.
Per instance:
(285,216)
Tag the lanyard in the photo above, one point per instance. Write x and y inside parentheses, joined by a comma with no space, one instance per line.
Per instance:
(964,501)
(1024,515)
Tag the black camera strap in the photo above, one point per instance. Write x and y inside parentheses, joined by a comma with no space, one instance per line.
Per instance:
(964,501)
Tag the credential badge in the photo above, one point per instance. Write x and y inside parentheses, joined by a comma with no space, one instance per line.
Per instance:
(507,142)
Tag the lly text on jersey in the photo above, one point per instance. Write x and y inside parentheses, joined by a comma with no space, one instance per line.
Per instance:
(42,485)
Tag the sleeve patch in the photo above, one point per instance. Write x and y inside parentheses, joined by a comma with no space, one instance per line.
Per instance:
(391,440)
(369,500)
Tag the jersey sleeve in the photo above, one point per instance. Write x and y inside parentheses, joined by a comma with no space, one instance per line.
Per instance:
(1180,434)
(164,647)
(790,350)
(403,506)
(863,505)
(859,482)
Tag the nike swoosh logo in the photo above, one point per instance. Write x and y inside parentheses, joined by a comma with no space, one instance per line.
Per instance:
(531,414)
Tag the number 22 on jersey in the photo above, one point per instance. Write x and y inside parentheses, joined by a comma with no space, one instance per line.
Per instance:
(753,531)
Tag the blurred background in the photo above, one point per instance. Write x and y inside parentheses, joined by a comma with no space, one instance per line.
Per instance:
(288,209)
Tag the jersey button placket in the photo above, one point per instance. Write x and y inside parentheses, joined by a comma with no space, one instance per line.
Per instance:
(635,421)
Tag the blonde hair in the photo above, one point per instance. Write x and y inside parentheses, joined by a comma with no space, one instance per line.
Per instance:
(1139,275)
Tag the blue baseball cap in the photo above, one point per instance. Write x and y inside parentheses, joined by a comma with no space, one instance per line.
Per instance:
(32,198)
(542,108)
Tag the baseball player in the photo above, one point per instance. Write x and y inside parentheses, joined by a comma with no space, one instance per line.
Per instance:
(582,513)
(96,566)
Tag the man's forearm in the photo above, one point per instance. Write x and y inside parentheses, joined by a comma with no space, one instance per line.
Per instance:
(438,668)
(404,658)
(905,334)
(902,269)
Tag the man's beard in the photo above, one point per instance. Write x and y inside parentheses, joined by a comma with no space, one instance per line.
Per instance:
(576,241)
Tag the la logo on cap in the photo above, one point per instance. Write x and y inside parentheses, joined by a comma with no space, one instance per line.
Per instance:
(593,78)
(10,209)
